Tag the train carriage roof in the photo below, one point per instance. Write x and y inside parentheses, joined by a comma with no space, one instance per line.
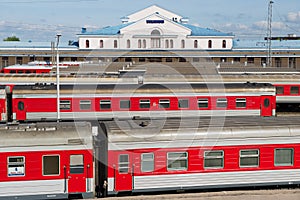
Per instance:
(46,134)
(146,88)
(214,131)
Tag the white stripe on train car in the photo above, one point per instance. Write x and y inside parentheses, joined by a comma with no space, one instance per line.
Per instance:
(216,179)
(23,188)
(287,99)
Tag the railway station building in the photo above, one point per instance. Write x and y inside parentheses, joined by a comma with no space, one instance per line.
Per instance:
(155,34)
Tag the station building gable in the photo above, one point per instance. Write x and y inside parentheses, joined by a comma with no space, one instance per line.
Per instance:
(155,31)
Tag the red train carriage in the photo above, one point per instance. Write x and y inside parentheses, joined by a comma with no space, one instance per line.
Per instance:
(147,100)
(26,69)
(4,110)
(46,161)
(182,155)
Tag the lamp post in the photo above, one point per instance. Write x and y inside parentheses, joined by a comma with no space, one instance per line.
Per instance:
(57,77)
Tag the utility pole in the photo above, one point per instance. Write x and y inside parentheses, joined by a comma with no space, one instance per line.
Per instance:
(269,35)
(57,77)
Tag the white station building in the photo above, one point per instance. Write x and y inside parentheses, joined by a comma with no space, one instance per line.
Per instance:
(155,28)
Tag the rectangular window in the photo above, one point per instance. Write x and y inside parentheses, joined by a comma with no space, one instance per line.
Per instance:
(249,158)
(147,162)
(16,166)
(164,103)
(124,104)
(183,103)
(213,159)
(85,105)
(144,103)
(284,157)
(50,165)
(294,90)
(177,160)
(240,103)
(76,164)
(202,103)
(222,103)
(65,105)
(124,163)
(279,90)
(105,104)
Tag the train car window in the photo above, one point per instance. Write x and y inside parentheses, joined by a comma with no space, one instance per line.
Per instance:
(177,160)
(105,104)
(183,103)
(249,158)
(214,159)
(144,103)
(21,105)
(76,164)
(240,103)
(124,104)
(164,103)
(12,71)
(123,163)
(284,157)
(50,165)
(202,103)
(294,90)
(65,105)
(27,71)
(16,166)
(266,103)
(85,105)
(147,164)
(222,103)
(279,90)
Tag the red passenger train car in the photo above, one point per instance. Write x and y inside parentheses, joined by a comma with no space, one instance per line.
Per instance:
(108,101)
(186,155)
(46,161)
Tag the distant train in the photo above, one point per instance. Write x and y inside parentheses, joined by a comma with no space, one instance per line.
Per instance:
(125,101)
(80,160)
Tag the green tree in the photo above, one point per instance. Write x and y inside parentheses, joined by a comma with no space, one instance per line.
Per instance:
(12,38)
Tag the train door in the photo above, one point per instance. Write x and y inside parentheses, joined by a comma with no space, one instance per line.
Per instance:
(266,106)
(123,174)
(21,110)
(76,175)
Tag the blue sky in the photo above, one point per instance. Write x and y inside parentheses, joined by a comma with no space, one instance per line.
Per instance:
(40,20)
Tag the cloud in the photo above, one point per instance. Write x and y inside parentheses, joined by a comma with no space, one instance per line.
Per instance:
(293,17)
(264,25)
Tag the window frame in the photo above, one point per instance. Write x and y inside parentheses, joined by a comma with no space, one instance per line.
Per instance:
(279,90)
(222,157)
(66,104)
(180,106)
(186,158)
(221,101)
(284,165)
(203,101)
(127,107)
(294,90)
(85,102)
(163,102)
(241,101)
(43,165)
(151,161)
(144,102)
(249,156)
(105,102)
(120,168)
(79,166)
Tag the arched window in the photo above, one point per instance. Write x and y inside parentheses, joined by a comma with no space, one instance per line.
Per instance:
(167,44)
(182,44)
(209,44)
(155,39)
(101,44)
(224,44)
(144,44)
(195,43)
(87,44)
(171,44)
(128,43)
(115,44)
(139,44)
